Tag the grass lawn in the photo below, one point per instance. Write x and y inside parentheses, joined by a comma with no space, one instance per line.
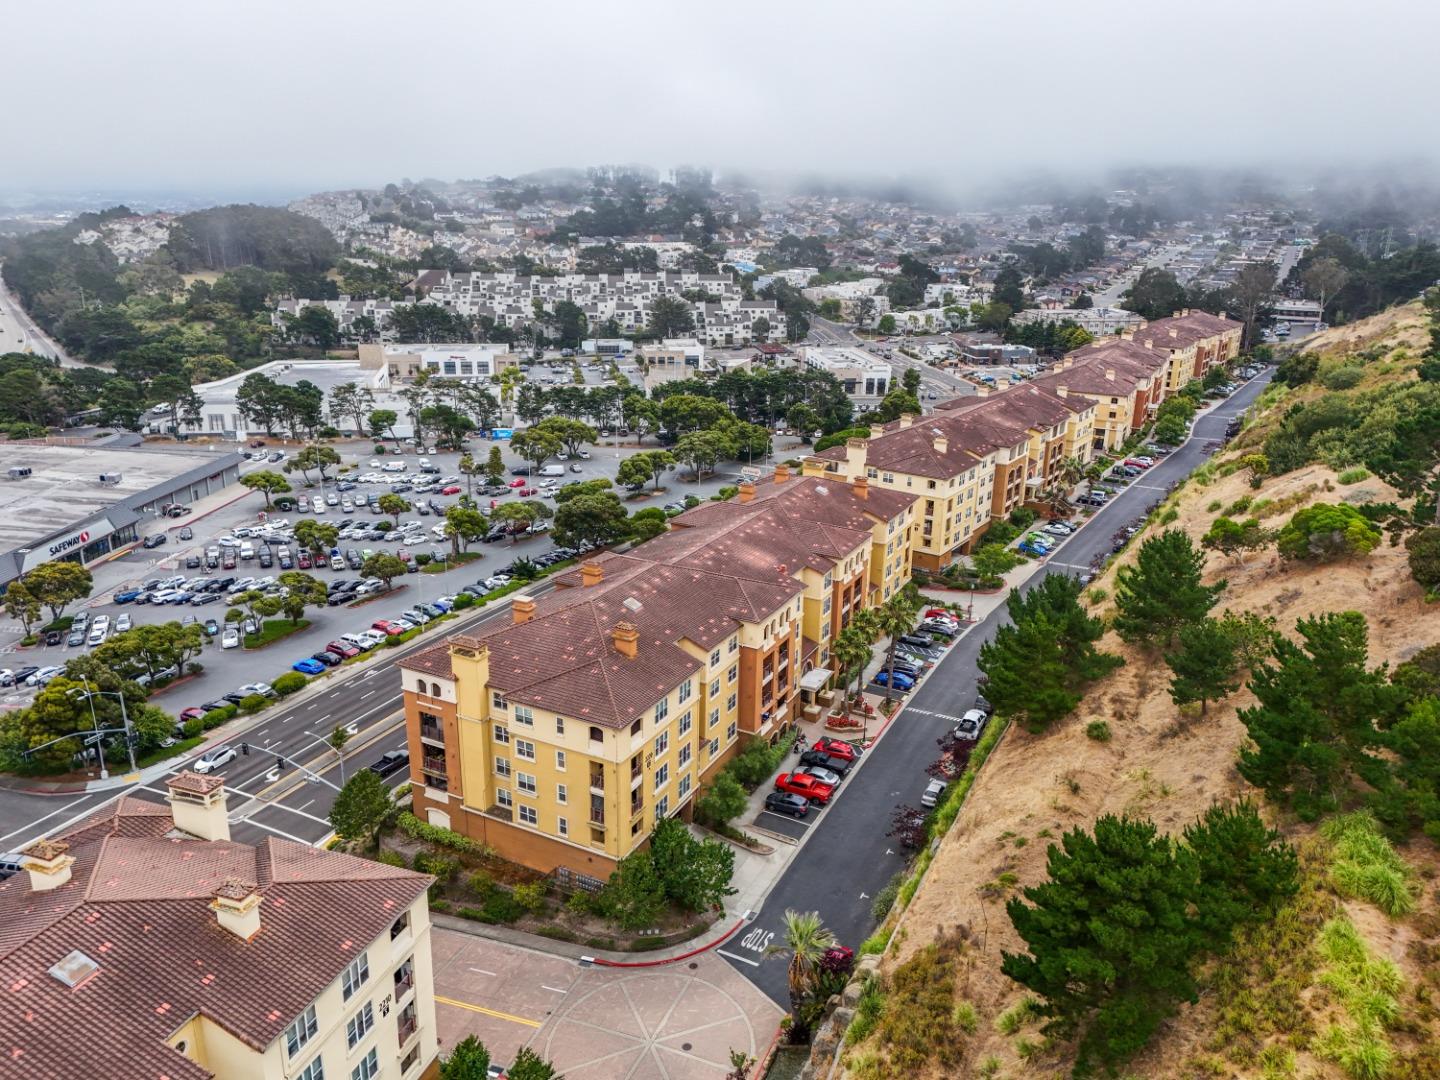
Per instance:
(272,630)
(161,753)
(454,562)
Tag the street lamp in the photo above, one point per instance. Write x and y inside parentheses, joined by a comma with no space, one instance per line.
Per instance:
(339,750)
(90,696)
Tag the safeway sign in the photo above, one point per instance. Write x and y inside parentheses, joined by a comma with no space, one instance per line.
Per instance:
(55,549)
(60,547)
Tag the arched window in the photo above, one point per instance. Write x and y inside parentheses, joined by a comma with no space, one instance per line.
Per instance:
(434,689)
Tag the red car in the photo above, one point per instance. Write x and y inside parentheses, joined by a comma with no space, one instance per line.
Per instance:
(339,648)
(835,748)
(453,489)
(939,613)
(518,482)
(527,492)
(192,713)
(303,560)
(1136,463)
(385,626)
(808,786)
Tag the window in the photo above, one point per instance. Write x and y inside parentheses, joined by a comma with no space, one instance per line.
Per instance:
(523,715)
(686,689)
(730,731)
(662,776)
(637,727)
(662,743)
(301,1031)
(714,719)
(525,782)
(502,734)
(560,760)
(562,826)
(715,658)
(684,788)
(562,793)
(730,702)
(502,766)
(497,700)
(714,747)
(524,749)
(314,1071)
(559,725)
(662,808)
(368,1068)
(662,710)
(734,672)
(686,724)
(684,755)
(354,977)
(359,1025)
(597,734)
(503,797)
(529,816)
(735,643)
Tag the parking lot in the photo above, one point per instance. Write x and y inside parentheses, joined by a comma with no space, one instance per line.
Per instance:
(197,551)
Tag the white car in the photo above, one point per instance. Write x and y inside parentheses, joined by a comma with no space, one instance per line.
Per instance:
(43,676)
(212,759)
(264,689)
(497,581)
(414,539)
(1057,529)
(394,466)
(230,639)
(376,463)
(122,622)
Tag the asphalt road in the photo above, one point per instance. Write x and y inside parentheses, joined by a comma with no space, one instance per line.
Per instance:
(18,333)
(846,858)
(286,804)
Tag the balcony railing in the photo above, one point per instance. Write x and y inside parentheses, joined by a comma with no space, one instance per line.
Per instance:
(406,1029)
(597,816)
(435,765)
(404,984)
(433,732)
(597,782)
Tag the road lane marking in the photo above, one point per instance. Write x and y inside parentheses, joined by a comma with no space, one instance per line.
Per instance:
(303,805)
(487,1012)
(553,989)
(732,956)
(277,832)
(371,693)
(482,971)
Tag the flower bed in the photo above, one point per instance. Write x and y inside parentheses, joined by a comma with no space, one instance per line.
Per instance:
(843,723)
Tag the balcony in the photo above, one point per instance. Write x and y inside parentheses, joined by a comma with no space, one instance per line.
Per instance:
(434,765)
(404,981)
(432,732)
(407,1026)
(597,781)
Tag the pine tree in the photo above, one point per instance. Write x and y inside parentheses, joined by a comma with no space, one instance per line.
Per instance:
(1245,869)
(1204,664)
(1317,714)
(1162,591)
(1110,937)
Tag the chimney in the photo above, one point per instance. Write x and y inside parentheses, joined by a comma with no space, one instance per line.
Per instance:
(782,473)
(906,419)
(591,573)
(747,491)
(982,391)
(1062,391)
(860,486)
(522,607)
(855,453)
(48,864)
(941,443)
(1174,332)
(236,904)
(626,637)
(197,805)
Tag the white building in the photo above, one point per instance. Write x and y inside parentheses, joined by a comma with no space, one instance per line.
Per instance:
(219,414)
(1098,322)
(948,293)
(862,375)
(924,321)
(461,361)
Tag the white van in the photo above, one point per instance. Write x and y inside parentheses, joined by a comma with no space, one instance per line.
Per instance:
(553,470)
(247,549)
(394,466)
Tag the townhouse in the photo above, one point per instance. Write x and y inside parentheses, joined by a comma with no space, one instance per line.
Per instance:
(1122,379)
(146,943)
(1192,342)
(970,463)
(561,738)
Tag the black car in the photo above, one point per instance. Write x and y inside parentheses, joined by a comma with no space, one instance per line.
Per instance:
(391,762)
(329,659)
(904,667)
(783,802)
(983,704)
(54,637)
(24,673)
(235,698)
(192,562)
(821,760)
(154,540)
(211,706)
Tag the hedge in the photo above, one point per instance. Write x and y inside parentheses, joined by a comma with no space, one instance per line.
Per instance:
(440,836)
(287,684)
(215,717)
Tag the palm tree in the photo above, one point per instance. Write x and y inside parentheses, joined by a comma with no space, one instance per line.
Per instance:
(896,616)
(1069,472)
(806,939)
(851,650)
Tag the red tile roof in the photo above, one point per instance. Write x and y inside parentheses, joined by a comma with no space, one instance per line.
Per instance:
(137,904)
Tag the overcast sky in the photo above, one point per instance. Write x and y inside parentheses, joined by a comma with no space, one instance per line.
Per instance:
(311,94)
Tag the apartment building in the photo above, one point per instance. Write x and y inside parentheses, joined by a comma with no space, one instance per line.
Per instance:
(146,943)
(1096,321)
(969,464)
(1192,342)
(860,373)
(1123,379)
(562,738)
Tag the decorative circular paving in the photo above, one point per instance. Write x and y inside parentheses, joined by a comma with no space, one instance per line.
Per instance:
(651,1025)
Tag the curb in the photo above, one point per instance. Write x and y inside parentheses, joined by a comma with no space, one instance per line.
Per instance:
(602,962)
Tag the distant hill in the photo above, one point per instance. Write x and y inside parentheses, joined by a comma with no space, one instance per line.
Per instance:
(267,237)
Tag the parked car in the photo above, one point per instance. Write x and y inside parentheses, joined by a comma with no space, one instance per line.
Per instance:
(154,540)
(213,758)
(122,622)
(834,763)
(836,748)
(263,689)
(385,626)
(126,596)
(391,762)
(934,791)
(819,772)
(970,725)
(308,666)
(329,659)
(230,639)
(902,682)
(785,802)
(54,637)
(808,786)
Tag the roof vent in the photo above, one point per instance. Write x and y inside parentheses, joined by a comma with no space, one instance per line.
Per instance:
(19,472)
(632,604)
(74,969)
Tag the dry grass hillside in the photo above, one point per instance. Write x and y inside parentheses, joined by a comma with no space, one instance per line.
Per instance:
(1260,1015)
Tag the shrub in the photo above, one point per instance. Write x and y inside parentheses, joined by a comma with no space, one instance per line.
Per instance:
(194,727)
(253,703)
(215,717)
(868,1009)
(1022,517)
(287,684)
(501,907)
(876,943)
(1327,531)
(481,883)
(1240,505)
(967,1018)
(531,896)
(885,898)
(443,867)
(440,836)
(1017,1016)
(391,858)
(1353,476)
(1342,378)
(1215,505)
(463,601)
(1098,730)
